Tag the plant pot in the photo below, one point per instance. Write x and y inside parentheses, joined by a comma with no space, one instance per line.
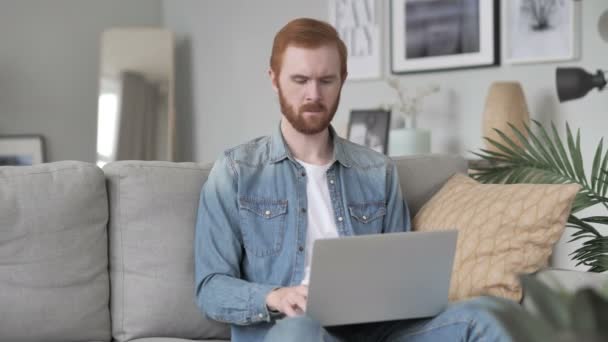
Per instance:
(409,141)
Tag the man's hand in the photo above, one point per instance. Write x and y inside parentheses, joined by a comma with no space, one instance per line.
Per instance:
(289,300)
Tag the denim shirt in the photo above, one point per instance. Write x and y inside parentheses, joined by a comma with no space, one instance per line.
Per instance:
(252,221)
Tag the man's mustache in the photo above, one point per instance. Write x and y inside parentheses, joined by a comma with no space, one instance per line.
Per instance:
(313,107)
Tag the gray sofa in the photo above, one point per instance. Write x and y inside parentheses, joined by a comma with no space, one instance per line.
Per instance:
(99,255)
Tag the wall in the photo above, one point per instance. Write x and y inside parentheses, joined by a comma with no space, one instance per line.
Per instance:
(49,66)
(224,95)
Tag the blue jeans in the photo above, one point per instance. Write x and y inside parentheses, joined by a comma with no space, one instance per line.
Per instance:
(469,320)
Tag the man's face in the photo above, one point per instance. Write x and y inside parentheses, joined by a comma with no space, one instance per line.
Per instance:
(309,87)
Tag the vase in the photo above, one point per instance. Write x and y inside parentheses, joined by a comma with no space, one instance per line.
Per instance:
(505,104)
(409,141)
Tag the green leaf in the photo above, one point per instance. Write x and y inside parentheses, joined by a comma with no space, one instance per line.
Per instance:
(531,149)
(516,149)
(605,176)
(582,225)
(595,184)
(548,302)
(596,219)
(589,312)
(561,150)
(577,162)
(551,153)
(510,153)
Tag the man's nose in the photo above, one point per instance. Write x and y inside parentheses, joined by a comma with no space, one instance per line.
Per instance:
(313,91)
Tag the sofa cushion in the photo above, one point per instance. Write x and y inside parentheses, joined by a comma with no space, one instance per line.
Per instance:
(504,230)
(54,282)
(153,209)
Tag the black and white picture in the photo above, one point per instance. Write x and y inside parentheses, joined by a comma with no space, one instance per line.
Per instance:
(21,150)
(429,35)
(439,28)
(539,30)
(370,128)
(357,23)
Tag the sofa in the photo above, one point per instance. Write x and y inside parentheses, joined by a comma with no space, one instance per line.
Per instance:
(107,255)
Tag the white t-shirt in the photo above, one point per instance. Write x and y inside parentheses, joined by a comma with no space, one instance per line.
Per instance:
(320,212)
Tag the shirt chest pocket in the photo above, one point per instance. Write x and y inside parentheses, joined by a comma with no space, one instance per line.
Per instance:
(367,218)
(262,225)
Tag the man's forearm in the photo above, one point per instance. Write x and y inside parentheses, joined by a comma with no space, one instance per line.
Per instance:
(232,300)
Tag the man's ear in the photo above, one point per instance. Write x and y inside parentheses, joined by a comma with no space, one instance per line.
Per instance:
(274,80)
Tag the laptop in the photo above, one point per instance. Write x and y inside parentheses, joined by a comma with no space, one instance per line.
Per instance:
(380,277)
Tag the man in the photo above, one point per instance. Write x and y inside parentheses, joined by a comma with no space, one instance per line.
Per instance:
(266,201)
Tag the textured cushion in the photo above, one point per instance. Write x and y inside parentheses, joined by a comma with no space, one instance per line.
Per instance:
(153,209)
(54,282)
(504,230)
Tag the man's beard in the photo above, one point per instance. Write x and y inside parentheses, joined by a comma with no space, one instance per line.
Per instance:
(308,125)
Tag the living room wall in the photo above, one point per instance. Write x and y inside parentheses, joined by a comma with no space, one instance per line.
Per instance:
(224,95)
(49,67)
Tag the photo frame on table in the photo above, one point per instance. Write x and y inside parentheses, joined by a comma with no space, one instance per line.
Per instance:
(19,150)
(535,31)
(358,24)
(370,127)
(437,35)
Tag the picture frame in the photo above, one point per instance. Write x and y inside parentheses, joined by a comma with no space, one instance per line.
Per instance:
(549,34)
(424,38)
(21,150)
(358,25)
(370,127)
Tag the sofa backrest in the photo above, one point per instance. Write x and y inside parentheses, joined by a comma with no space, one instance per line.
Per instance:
(54,282)
(153,208)
(423,175)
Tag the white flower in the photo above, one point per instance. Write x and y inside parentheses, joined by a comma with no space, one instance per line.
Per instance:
(408,104)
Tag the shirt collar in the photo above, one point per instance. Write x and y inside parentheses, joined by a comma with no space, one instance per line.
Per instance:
(279,150)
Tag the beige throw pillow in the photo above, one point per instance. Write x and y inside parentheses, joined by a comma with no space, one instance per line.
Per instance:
(504,230)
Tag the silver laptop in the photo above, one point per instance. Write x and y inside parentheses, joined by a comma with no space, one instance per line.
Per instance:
(380,277)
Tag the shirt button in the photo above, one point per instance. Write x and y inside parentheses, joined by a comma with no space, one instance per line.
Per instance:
(340,219)
(301,248)
(303,174)
(331,181)
(303,210)
(267,213)
(261,315)
(364,217)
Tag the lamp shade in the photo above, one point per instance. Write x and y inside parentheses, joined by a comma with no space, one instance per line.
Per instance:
(573,83)
(505,104)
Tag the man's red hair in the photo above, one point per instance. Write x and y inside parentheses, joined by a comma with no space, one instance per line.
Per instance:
(306,33)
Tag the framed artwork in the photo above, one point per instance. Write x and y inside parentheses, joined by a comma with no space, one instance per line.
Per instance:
(536,31)
(358,24)
(21,150)
(433,35)
(370,128)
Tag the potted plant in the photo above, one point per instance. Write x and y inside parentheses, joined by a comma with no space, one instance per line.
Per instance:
(556,314)
(407,138)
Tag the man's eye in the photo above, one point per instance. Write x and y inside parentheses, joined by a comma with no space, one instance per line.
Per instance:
(327,81)
(299,80)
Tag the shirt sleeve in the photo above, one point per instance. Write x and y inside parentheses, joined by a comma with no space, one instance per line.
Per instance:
(220,292)
(397,217)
